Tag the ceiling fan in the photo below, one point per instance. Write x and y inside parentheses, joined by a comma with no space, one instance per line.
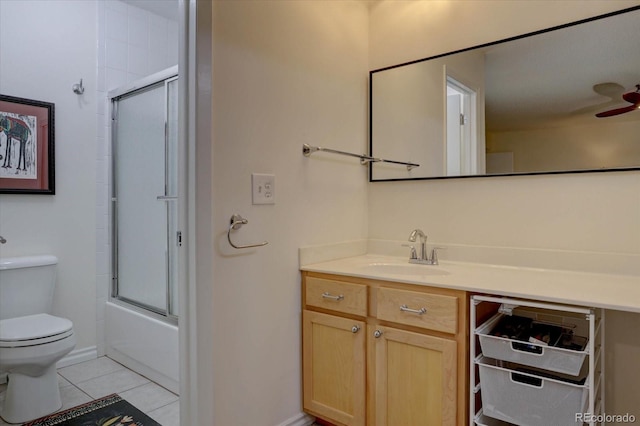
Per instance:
(632,97)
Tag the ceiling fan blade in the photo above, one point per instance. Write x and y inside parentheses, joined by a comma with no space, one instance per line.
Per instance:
(617,111)
(609,90)
(632,97)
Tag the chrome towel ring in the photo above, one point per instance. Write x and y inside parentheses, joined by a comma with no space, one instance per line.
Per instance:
(236,223)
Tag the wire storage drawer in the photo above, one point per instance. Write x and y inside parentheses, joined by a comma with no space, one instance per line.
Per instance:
(536,339)
(527,397)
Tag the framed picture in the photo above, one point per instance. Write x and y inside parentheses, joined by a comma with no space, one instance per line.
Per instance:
(27,163)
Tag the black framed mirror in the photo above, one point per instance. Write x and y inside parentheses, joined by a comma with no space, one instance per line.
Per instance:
(520,106)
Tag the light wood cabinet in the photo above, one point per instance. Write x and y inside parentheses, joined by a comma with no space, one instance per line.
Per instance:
(380,353)
(334,367)
(415,378)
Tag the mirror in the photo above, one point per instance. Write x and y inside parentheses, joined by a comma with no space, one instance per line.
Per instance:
(524,105)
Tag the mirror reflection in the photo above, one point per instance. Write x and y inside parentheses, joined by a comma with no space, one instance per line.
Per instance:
(521,106)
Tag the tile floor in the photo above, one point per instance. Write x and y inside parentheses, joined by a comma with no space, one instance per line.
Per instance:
(94,379)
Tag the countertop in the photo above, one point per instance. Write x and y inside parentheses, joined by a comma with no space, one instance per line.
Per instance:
(609,291)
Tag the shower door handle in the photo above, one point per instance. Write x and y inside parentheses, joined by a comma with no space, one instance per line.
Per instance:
(166,198)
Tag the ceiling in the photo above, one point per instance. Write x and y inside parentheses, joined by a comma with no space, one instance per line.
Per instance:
(551,76)
(165,8)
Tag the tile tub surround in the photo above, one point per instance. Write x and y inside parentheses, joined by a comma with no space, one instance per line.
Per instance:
(86,381)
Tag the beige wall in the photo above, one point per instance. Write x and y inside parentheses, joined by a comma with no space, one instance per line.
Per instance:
(605,145)
(408,118)
(576,213)
(284,74)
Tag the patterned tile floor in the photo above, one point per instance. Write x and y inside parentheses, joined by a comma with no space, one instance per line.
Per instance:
(93,379)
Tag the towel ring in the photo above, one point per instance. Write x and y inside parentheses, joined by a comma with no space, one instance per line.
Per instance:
(236,223)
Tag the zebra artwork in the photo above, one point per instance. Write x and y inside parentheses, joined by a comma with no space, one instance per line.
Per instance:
(18,134)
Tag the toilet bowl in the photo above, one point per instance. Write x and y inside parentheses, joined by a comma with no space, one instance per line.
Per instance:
(30,346)
(31,340)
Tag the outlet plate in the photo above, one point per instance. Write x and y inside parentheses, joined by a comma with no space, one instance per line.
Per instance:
(263,188)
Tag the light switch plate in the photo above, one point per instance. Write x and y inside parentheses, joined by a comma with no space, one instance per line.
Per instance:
(263,188)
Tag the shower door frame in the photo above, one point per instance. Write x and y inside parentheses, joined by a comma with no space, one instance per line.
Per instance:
(168,75)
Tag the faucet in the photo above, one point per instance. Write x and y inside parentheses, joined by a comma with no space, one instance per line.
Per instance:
(424,258)
(2,240)
(423,242)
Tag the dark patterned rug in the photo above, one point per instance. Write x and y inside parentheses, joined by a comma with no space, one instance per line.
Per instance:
(108,411)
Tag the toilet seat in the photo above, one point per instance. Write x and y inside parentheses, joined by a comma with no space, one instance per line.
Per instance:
(33,330)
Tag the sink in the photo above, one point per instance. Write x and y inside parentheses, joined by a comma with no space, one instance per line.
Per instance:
(403,269)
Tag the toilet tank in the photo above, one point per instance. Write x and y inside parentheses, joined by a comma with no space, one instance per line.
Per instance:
(26,285)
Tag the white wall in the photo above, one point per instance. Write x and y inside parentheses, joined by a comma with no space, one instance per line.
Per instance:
(284,74)
(43,65)
(107,44)
(593,213)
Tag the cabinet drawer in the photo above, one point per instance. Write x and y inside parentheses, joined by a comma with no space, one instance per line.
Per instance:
(425,310)
(336,295)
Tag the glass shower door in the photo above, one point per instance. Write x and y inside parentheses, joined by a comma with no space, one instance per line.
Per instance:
(145,197)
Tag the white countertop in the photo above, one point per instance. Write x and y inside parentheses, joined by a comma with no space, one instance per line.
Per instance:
(617,292)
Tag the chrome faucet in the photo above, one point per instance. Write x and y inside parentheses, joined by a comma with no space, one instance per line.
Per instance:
(424,258)
(423,242)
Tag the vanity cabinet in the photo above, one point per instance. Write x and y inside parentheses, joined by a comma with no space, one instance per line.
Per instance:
(383,353)
(415,377)
(334,368)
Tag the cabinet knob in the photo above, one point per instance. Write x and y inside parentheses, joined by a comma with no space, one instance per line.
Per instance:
(355,329)
(377,334)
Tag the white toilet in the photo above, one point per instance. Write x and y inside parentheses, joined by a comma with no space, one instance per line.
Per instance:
(31,340)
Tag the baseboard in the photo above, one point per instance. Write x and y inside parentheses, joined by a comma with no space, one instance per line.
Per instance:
(78,356)
(300,419)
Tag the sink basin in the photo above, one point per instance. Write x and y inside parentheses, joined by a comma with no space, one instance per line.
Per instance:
(403,269)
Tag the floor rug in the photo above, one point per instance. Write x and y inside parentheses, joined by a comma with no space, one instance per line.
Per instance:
(111,410)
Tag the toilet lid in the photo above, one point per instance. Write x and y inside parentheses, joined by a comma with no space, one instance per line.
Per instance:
(33,330)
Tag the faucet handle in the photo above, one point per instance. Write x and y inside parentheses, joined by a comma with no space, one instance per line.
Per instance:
(434,254)
(414,254)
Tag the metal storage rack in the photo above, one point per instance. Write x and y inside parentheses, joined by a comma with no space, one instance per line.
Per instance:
(594,349)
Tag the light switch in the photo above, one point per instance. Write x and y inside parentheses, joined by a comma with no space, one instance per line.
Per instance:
(263,188)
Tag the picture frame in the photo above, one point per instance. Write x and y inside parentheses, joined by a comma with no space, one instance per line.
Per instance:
(27,141)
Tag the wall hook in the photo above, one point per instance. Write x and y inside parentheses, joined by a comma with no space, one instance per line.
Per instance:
(78,88)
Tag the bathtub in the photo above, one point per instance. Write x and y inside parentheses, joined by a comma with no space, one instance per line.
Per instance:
(142,343)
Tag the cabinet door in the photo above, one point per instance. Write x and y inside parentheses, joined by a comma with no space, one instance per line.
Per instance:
(334,368)
(415,378)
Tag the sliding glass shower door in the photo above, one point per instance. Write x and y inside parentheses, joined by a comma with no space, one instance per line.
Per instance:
(145,186)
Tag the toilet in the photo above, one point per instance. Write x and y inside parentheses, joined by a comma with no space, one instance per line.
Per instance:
(32,340)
